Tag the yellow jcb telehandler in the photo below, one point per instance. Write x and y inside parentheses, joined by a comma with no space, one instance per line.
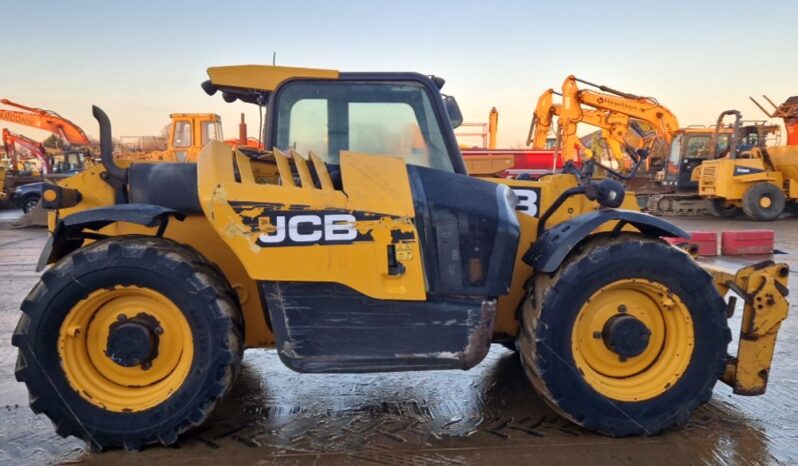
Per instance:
(358,244)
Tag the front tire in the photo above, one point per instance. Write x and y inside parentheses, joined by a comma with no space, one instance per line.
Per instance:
(129,341)
(764,202)
(628,337)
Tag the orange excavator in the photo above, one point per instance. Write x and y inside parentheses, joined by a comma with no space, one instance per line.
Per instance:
(10,142)
(46,120)
(75,156)
(74,136)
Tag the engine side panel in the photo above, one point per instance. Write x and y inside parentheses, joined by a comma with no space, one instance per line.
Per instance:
(294,232)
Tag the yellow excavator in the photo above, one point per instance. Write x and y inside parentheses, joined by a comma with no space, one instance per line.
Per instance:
(670,186)
(615,129)
(630,124)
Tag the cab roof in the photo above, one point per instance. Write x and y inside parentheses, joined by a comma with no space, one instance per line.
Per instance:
(253,83)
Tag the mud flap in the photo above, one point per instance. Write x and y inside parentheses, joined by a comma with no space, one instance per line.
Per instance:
(327,327)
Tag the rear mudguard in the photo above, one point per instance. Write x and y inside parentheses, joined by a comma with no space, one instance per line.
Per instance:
(551,248)
(68,233)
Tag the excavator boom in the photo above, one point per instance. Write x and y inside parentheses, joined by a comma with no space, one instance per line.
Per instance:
(541,120)
(612,111)
(45,120)
(646,109)
(11,140)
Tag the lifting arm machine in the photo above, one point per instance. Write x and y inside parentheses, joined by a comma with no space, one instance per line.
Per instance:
(45,120)
(610,110)
(11,140)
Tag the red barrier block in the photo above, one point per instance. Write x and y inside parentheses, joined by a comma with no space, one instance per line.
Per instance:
(743,242)
(706,242)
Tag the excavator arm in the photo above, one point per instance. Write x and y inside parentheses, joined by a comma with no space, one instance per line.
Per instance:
(11,140)
(45,120)
(614,111)
(646,109)
(613,125)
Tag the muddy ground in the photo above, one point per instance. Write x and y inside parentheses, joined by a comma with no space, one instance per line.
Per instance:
(486,415)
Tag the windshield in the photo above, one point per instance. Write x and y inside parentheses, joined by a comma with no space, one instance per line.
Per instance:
(375,118)
(699,145)
(182,135)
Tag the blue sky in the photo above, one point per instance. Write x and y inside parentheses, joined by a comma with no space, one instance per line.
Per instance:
(141,60)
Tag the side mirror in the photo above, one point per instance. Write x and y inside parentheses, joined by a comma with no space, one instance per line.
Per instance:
(453,110)
(607,192)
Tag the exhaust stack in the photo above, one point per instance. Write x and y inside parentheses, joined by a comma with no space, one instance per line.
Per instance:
(116,174)
(242,131)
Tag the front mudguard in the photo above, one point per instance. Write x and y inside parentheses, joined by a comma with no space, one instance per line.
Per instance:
(69,235)
(552,247)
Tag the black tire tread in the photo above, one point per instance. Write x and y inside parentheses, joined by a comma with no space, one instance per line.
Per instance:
(196,267)
(532,327)
(751,205)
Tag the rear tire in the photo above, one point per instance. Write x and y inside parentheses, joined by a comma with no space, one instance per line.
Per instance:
(554,314)
(82,389)
(723,209)
(764,202)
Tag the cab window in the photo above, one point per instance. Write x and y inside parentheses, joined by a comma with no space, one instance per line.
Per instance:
(182,136)
(675,155)
(700,146)
(211,131)
(375,118)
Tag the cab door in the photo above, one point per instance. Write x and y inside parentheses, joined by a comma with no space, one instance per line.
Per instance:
(371,253)
(182,139)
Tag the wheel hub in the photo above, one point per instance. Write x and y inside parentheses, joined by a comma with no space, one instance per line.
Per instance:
(133,341)
(626,336)
(632,339)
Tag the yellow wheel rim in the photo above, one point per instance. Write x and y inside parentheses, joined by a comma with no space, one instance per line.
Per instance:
(83,342)
(765,202)
(664,358)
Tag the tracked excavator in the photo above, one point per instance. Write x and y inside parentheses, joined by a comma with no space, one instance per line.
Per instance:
(669,187)
(676,189)
(614,126)
(75,156)
(35,150)
(46,120)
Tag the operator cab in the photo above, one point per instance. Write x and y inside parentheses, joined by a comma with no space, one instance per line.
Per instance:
(327,112)
(691,147)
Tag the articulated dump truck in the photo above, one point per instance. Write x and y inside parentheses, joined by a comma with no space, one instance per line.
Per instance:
(358,243)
